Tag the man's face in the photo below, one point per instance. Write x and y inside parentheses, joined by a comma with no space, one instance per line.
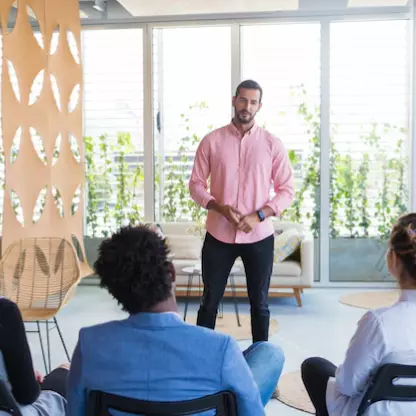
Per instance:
(246,105)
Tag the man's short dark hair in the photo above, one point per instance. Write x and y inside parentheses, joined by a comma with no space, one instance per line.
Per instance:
(133,266)
(250,85)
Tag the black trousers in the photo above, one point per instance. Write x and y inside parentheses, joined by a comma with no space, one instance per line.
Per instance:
(315,375)
(217,261)
(56,381)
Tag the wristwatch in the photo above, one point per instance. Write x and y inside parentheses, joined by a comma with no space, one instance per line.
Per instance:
(261,215)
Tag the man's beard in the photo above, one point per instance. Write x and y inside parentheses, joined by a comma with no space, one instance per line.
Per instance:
(244,120)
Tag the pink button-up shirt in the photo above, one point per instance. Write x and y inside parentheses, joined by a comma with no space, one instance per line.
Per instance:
(242,170)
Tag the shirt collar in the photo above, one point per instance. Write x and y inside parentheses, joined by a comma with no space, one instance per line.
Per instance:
(156,319)
(408,295)
(235,131)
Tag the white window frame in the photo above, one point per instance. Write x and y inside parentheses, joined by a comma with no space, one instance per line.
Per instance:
(412,112)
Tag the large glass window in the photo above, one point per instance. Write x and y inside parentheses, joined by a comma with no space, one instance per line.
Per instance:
(191,92)
(113,128)
(192,95)
(285,60)
(370,142)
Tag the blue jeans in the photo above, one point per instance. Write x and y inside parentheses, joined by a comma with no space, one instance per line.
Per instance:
(266,363)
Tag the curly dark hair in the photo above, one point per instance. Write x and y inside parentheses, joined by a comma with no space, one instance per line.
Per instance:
(133,266)
(403,242)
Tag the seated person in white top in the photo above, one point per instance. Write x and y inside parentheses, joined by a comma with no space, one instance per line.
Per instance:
(384,335)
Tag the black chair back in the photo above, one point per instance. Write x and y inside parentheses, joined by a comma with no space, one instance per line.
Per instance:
(100,403)
(7,402)
(382,386)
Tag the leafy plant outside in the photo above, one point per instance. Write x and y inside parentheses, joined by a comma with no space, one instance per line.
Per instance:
(362,204)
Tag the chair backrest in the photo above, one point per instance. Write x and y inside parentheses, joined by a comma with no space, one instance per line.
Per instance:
(100,403)
(382,386)
(37,273)
(7,402)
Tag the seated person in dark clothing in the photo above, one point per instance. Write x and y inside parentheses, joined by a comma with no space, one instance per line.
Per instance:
(34,394)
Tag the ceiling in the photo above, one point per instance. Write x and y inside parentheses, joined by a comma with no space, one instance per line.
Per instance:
(99,10)
(124,9)
(194,7)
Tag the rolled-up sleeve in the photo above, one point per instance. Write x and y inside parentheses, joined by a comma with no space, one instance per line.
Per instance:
(198,183)
(282,176)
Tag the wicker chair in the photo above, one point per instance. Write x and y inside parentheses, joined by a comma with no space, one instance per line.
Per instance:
(40,275)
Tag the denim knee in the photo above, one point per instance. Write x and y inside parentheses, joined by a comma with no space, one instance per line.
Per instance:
(268,351)
(274,352)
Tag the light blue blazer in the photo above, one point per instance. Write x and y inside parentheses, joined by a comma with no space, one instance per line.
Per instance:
(159,357)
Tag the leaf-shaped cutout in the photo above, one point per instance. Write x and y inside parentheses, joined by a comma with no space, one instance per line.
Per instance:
(56,149)
(13,80)
(39,38)
(14,150)
(73,144)
(42,261)
(54,41)
(58,200)
(74,98)
(78,248)
(39,205)
(55,91)
(36,87)
(2,159)
(38,145)
(72,45)
(33,19)
(12,17)
(76,200)
(17,207)
(60,254)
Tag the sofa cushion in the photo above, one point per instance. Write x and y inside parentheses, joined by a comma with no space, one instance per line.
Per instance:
(177,228)
(157,228)
(285,268)
(286,244)
(180,264)
(184,246)
(182,279)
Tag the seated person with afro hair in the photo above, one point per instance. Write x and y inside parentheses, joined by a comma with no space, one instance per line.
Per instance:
(153,354)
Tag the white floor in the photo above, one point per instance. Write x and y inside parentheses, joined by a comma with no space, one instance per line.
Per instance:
(322,327)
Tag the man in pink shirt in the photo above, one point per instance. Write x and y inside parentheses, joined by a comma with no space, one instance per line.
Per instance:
(242,160)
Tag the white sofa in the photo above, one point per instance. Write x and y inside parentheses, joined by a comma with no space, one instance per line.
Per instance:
(289,277)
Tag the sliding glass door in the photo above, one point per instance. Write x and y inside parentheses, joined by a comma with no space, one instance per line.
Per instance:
(191,96)
(369,188)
